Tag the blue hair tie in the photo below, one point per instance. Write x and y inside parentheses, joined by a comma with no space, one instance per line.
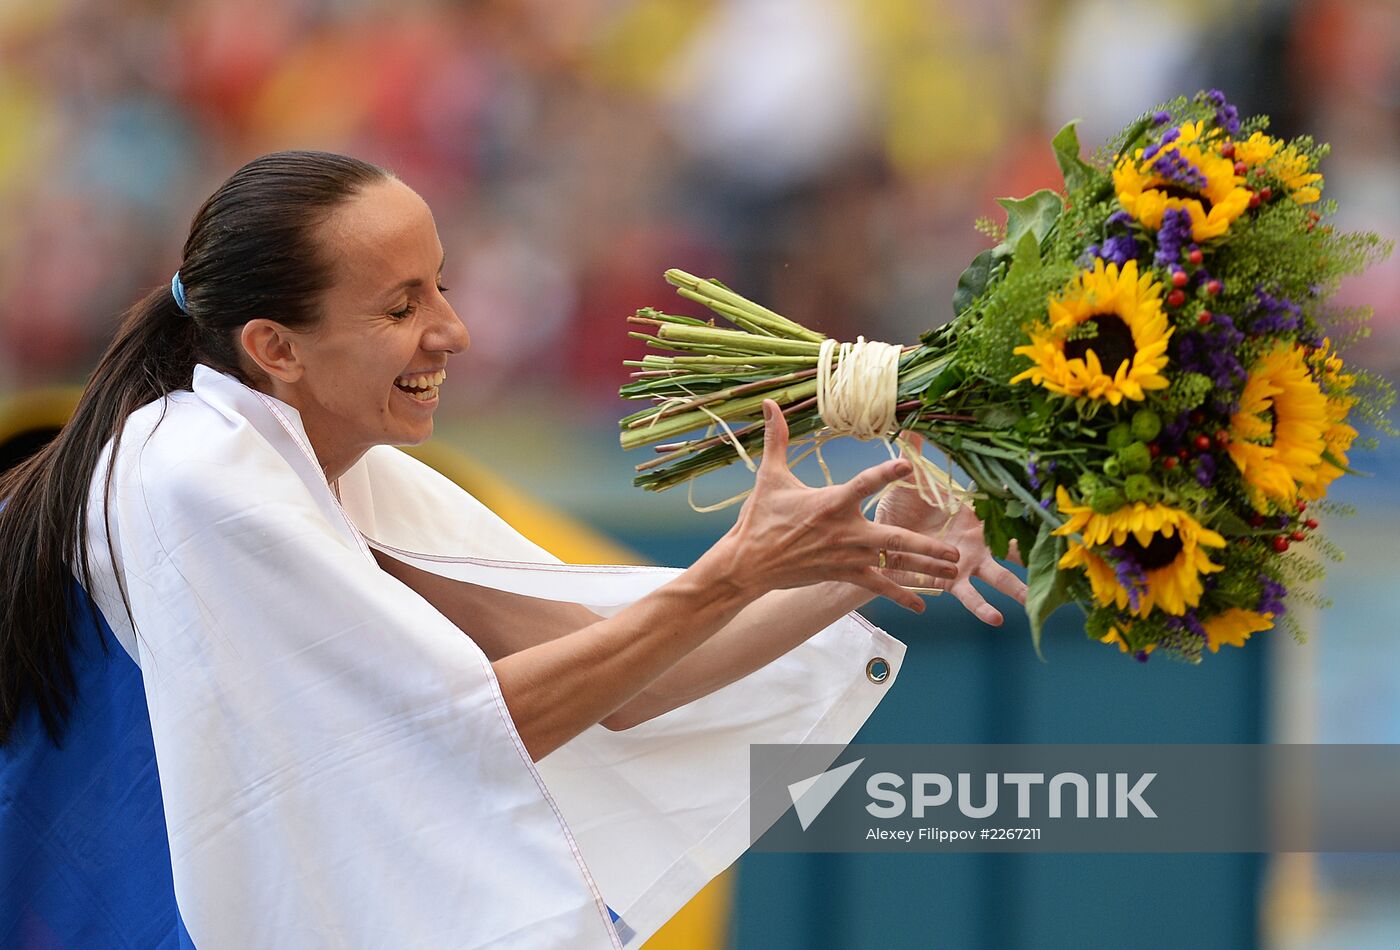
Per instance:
(177,290)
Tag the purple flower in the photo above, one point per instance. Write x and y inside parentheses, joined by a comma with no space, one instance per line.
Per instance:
(1226,115)
(1172,236)
(1033,472)
(1119,249)
(1172,166)
(1119,218)
(1131,577)
(1271,596)
(1161,118)
(1204,468)
(1140,656)
(1274,314)
(1187,622)
(1213,351)
(1178,426)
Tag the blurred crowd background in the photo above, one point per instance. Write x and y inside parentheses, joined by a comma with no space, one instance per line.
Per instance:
(828,157)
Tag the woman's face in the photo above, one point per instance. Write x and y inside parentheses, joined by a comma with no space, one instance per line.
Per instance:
(370,370)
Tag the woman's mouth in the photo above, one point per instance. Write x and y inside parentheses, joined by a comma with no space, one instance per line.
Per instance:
(421,386)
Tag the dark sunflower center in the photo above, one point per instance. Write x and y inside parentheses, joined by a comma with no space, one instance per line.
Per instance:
(1113,343)
(1161,552)
(1173,190)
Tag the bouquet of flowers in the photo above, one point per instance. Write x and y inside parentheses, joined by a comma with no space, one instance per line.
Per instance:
(1137,379)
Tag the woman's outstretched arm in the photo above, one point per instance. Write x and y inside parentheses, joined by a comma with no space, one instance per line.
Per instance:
(787,536)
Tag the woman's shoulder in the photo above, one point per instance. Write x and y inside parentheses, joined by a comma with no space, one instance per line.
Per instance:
(181,444)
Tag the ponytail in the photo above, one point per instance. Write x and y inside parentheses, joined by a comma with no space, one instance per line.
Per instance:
(44,526)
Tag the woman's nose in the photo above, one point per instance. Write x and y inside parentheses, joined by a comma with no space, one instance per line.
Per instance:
(450,333)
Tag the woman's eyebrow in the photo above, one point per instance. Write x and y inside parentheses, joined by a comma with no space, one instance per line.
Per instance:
(414,281)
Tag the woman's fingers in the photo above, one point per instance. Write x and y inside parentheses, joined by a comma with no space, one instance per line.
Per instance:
(917,564)
(975,603)
(873,479)
(872,580)
(889,538)
(775,438)
(1003,580)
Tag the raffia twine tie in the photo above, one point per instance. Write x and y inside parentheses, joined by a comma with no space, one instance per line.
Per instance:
(856,392)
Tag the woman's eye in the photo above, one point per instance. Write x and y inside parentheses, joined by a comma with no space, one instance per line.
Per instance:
(401,314)
(442,289)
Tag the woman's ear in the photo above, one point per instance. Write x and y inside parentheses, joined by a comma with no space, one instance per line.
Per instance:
(273,349)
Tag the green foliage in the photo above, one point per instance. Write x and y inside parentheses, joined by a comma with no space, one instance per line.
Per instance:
(1186,392)
(1045,582)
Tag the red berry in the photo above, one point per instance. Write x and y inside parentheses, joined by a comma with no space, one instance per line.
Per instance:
(1222,438)
(1256,520)
(1153,449)
(1298,536)
(1183,454)
(1195,257)
(1280,544)
(1302,505)
(1266,193)
(1254,200)
(1241,168)
(1197,417)
(1311,523)
(1176,298)
(1169,462)
(1179,278)
(1202,443)
(1204,317)
(1214,287)
(1227,150)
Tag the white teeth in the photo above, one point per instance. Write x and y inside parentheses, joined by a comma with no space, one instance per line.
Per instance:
(422,380)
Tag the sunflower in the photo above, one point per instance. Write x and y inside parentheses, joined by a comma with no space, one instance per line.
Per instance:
(1338,436)
(1233,627)
(1277,436)
(1285,163)
(1182,173)
(1126,353)
(1166,543)
(1115,636)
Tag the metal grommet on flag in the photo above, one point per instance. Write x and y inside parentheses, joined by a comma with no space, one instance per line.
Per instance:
(877,670)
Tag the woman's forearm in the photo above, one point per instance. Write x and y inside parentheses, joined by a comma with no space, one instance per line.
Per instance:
(766,629)
(557,688)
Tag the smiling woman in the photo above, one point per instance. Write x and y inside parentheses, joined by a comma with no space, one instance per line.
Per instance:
(368,375)
(312,694)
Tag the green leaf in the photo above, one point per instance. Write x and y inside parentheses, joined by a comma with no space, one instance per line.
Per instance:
(1046,583)
(973,281)
(995,530)
(1227,522)
(951,376)
(1026,257)
(998,416)
(1077,172)
(1034,214)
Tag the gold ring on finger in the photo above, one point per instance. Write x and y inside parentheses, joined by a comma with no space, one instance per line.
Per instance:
(883,559)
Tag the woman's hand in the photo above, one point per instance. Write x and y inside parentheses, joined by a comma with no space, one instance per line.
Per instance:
(791,535)
(903,506)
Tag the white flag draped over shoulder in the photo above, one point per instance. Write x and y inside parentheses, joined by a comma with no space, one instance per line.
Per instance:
(337,766)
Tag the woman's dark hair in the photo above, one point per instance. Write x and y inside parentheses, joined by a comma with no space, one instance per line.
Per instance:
(251,252)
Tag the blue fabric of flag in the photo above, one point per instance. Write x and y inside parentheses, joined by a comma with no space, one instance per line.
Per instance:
(84,856)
